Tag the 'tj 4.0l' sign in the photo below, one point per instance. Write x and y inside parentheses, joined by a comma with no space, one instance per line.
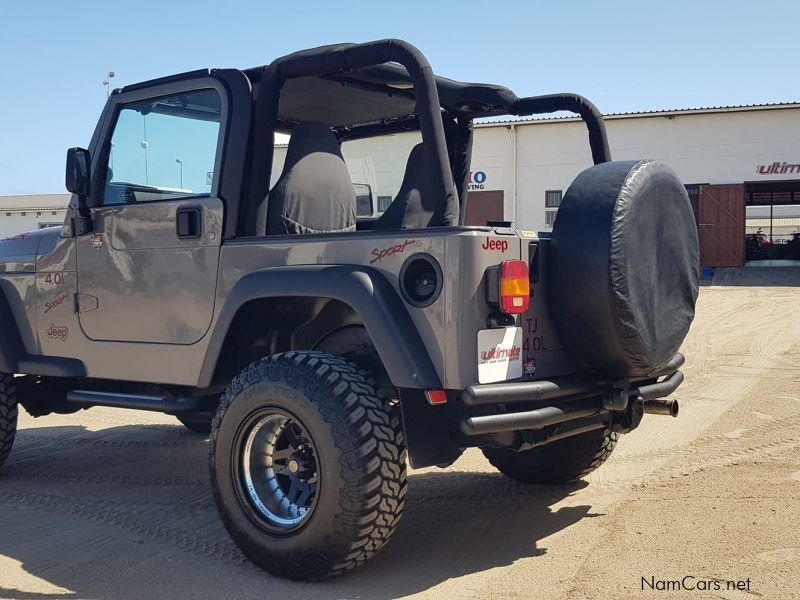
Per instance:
(778,168)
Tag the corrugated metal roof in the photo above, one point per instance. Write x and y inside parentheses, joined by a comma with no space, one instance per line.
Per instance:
(778,222)
(34,202)
(646,113)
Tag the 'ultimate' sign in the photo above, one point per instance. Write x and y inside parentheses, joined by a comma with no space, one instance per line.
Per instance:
(777,168)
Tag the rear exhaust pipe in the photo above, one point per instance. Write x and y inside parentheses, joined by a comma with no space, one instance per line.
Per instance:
(661,407)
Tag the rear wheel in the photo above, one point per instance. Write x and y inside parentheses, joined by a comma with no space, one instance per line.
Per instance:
(8,415)
(562,461)
(307,465)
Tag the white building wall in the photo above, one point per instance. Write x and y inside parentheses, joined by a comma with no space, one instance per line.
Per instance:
(719,147)
(26,213)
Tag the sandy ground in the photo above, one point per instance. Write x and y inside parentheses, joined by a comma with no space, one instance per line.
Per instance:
(116,504)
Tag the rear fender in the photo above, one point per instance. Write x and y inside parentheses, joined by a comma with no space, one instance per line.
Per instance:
(363,289)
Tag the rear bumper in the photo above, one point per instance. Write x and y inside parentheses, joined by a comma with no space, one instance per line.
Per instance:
(564,400)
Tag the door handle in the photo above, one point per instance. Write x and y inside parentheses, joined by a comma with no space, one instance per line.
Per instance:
(189,222)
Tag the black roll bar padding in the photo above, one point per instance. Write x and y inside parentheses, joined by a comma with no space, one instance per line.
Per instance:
(598,139)
(338,59)
(265,120)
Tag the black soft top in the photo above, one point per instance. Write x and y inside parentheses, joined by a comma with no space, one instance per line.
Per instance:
(362,95)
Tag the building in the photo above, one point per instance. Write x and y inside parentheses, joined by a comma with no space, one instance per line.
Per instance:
(24,213)
(740,164)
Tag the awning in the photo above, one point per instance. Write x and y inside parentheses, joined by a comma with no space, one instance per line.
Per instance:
(777,222)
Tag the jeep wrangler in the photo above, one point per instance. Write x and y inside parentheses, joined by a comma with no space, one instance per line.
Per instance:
(196,276)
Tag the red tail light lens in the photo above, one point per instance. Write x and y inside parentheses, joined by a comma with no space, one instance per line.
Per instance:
(515,290)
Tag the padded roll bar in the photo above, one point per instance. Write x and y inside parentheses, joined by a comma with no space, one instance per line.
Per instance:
(331,60)
(574,103)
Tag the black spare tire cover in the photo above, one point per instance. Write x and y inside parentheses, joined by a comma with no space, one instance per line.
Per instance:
(623,268)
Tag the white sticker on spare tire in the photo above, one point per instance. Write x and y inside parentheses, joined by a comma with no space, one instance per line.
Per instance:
(499,354)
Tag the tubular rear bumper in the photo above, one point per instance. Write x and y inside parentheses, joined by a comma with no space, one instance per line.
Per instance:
(562,400)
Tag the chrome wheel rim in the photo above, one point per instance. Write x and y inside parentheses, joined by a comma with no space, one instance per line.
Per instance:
(279,470)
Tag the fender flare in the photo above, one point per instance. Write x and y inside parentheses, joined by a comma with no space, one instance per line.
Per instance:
(364,289)
(11,347)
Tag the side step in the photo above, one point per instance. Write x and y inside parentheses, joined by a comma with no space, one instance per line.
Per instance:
(163,404)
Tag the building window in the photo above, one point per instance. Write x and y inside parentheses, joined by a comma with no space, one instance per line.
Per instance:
(383,203)
(45,225)
(552,199)
(693,191)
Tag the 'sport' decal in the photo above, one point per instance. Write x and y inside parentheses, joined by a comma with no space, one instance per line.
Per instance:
(381,253)
(48,306)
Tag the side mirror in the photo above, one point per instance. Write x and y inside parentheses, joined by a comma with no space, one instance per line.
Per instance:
(78,168)
(78,181)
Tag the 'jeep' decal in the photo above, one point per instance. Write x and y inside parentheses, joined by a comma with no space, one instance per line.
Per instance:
(499,245)
(381,253)
(57,332)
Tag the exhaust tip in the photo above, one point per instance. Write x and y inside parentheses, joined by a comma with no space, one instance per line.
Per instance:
(661,407)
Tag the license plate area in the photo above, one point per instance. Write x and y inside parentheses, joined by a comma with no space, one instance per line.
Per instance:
(499,354)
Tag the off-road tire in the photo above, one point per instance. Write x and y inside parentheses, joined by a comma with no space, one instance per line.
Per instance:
(362,463)
(199,423)
(559,462)
(8,415)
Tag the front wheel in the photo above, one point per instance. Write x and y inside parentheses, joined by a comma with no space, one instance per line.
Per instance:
(559,462)
(307,465)
(8,415)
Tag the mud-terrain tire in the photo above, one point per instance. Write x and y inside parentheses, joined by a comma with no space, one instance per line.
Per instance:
(324,407)
(199,423)
(8,415)
(623,268)
(560,462)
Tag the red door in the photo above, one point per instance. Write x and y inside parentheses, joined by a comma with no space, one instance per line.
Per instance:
(721,225)
(484,206)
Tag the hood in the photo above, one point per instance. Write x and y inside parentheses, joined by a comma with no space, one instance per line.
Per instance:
(18,252)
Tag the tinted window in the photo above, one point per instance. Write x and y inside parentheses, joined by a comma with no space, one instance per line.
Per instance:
(164,148)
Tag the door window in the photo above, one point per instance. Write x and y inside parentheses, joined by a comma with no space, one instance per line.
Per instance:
(164,148)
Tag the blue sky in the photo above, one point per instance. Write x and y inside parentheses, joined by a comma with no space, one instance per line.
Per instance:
(625,56)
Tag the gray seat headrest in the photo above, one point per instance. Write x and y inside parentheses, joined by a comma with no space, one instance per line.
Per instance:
(314,193)
(417,203)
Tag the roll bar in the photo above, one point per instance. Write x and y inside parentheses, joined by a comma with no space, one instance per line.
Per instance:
(342,58)
(574,103)
(338,59)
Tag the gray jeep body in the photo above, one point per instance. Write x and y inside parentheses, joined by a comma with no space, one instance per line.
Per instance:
(129,310)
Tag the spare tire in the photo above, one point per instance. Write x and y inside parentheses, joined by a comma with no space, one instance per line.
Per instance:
(623,268)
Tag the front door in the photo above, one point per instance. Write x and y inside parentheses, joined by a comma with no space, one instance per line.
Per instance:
(148,271)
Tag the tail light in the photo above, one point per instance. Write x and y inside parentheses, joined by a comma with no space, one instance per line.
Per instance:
(515,287)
